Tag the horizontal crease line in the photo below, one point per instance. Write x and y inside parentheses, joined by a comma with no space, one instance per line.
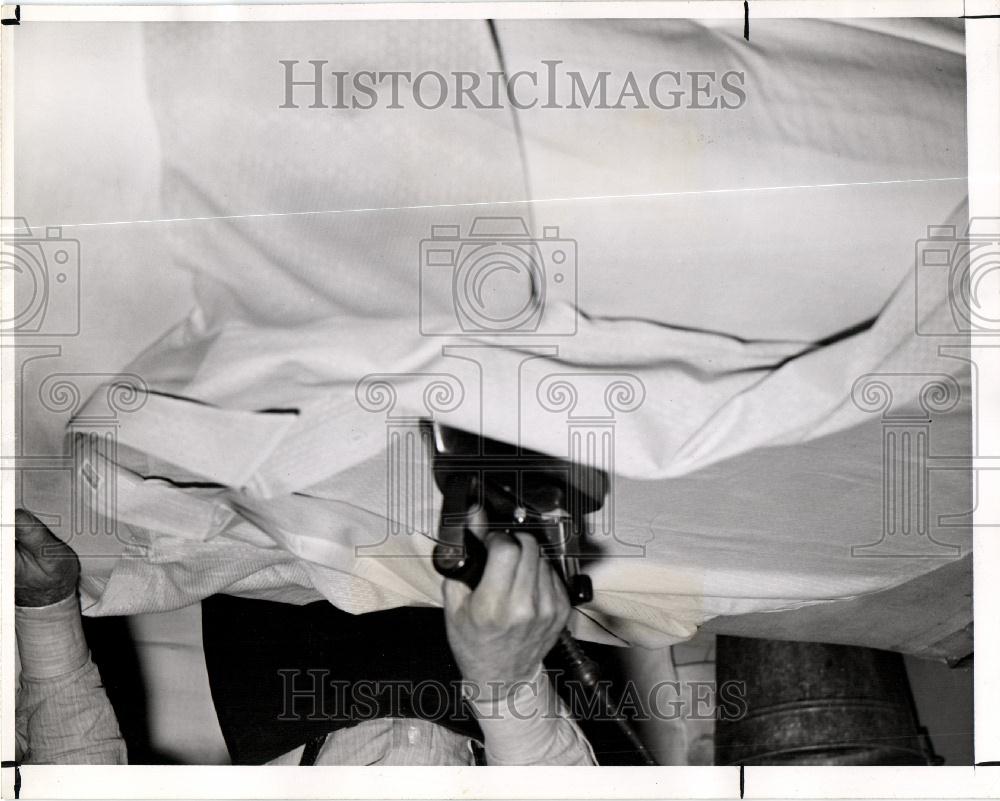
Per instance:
(525,201)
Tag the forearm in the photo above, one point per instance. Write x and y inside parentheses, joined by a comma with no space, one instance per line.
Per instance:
(65,714)
(530,726)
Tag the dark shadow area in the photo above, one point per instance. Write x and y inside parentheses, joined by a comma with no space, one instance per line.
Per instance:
(114,652)
(939,698)
(944,701)
(282,674)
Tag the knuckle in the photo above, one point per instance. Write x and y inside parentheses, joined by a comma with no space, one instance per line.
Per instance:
(482,617)
(479,603)
(503,547)
(521,613)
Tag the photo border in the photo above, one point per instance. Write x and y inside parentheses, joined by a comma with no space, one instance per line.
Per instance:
(983,96)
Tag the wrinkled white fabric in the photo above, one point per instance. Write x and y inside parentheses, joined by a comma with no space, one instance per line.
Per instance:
(713,251)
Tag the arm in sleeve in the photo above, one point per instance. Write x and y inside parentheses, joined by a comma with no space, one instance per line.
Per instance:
(62,710)
(531,726)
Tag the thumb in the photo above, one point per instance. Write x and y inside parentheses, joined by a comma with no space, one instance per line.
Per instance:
(31,532)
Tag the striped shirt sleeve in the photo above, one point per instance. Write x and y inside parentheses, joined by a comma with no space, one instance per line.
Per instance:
(63,714)
(531,726)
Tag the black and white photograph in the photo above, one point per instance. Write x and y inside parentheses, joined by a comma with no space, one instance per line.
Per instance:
(448,386)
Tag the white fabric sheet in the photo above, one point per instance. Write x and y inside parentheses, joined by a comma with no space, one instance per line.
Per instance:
(744,470)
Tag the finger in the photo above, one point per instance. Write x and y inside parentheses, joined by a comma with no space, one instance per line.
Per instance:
(23,560)
(546,595)
(477,521)
(557,597)
(503,555)
(526,576)
(31,533)
(454,593)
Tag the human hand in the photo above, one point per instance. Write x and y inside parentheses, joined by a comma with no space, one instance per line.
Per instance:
(46,569)
(501,631)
